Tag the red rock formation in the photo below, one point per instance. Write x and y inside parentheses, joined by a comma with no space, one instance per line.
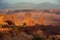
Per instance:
(28,19)
(41,20)
(2,20)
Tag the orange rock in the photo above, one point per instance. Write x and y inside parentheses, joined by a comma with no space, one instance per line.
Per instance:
(28,19)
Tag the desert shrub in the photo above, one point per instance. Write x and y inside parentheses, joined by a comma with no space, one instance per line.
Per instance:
(10,22)
(0,25)
(37,38)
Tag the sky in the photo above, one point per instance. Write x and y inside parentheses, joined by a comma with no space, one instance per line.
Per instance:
(7,3)
(31,1)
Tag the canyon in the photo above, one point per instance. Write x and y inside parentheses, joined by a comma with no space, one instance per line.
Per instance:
(30,17)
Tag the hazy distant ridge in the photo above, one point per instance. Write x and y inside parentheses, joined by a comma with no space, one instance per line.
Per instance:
(32,6)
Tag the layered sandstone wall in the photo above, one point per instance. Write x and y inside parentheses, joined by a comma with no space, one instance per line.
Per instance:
(27,18)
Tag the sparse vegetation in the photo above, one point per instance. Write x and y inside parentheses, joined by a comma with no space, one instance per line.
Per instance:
(36,37)
(0,25)
(10,22)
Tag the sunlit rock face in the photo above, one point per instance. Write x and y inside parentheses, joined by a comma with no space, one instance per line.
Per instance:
(14,18)
(10,17)
(2,20)
(29,20)
(41,20)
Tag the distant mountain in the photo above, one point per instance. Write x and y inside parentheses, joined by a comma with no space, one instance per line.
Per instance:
(22,6)
(32,6)
(47,6)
